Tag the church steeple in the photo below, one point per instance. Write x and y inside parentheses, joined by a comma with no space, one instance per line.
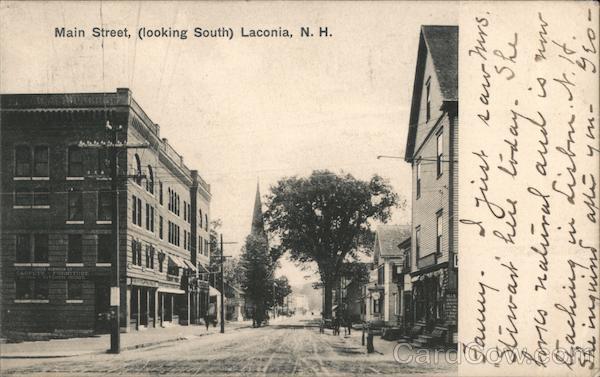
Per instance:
(258,224)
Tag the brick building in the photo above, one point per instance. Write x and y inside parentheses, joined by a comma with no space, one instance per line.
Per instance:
(57,215)
(432,150)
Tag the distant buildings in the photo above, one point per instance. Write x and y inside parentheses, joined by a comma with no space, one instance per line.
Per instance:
(56,218)
(432,151)
(383,294)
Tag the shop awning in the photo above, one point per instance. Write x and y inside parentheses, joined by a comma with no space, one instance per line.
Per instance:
(177,261)
(212,291)
(171,290)
(190,265)
(203,268)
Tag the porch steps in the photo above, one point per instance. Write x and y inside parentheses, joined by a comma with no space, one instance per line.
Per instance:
(432,339)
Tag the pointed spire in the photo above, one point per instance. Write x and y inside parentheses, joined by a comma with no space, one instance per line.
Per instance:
(258,224)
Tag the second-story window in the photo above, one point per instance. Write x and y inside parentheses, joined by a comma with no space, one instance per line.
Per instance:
(41,197)
(23,197)
(418,179)
(40,248)
(418,242)
(23,252)
(75,160)
(440,153)
(149,217)
(380,275)
(161,259)
(74,254)
(206,222)
(200,219)
(440,232)
(136,252)
(149,257)
(104,249)
(27,252)
(22,161)
(136,210)
(75,210)
(40,161)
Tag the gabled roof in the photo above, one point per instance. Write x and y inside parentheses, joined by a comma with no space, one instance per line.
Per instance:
(441,43)
(387,239)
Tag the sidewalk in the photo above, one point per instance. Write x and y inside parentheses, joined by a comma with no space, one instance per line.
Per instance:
(101,343)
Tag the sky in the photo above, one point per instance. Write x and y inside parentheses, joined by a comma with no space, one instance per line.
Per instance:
(245,110)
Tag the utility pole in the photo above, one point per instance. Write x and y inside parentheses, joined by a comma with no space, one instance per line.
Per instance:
(222,262)
(115,291)
(115,147)
(222,287)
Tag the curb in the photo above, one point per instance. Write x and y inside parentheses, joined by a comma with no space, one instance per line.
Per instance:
(97,352)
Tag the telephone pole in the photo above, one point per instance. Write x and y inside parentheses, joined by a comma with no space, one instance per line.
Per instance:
(115,148)
(222,262)
(222,287)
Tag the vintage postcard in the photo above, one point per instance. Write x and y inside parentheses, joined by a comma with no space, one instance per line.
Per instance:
(299,188)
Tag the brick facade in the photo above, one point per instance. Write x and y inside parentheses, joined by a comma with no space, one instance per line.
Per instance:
(59,194)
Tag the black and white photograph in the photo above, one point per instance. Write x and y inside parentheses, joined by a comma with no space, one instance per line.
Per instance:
(284,188)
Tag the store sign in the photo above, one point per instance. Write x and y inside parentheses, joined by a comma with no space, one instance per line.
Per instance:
(143,282)
(115,296)
(53,273)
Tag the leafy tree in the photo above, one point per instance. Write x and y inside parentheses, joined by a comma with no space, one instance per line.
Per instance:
(282,289)
(324,218)
(232,268)
(257,276)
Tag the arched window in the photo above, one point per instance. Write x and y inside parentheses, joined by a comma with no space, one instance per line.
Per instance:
(138,170)
(150,180)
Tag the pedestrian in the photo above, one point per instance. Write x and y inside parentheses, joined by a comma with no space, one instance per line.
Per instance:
(349,325)
(206,321)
